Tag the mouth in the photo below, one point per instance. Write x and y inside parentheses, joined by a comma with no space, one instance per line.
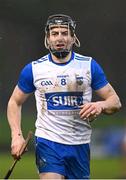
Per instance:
(60,46)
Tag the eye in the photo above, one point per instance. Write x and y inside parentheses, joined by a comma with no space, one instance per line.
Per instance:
(54,33)
(65,33)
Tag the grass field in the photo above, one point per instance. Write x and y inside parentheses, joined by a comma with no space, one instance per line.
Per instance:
(26,168)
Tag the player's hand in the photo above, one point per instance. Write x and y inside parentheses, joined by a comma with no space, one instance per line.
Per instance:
(90,110)
(16,145)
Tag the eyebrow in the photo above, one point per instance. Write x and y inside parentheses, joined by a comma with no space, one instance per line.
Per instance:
(65,30)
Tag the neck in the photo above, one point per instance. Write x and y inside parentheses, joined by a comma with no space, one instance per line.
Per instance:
(63,60)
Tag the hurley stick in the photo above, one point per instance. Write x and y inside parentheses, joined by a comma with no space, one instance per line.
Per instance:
(22,150)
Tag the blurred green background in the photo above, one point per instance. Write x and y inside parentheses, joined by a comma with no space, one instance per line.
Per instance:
(101,29)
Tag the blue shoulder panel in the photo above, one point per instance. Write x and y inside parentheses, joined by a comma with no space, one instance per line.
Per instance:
(25,82)
(98,77)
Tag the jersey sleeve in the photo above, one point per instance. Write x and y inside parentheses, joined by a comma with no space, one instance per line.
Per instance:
(25,82)
(99,79)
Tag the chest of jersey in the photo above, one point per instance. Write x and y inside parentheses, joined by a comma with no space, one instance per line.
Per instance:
(62,78)
(62,87)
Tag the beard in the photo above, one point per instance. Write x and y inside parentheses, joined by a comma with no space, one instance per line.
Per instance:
(60,54)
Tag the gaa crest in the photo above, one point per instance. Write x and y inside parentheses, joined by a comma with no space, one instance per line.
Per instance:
(79,80)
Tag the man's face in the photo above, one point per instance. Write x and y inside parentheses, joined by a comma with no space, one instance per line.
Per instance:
(60,38)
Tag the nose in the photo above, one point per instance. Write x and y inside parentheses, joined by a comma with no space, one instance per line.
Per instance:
(60,36)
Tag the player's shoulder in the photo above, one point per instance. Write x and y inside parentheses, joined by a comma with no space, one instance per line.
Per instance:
(81,57)
(40,60)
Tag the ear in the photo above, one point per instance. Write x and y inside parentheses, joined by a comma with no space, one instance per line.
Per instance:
(47,39)
(46,42)
(73,39)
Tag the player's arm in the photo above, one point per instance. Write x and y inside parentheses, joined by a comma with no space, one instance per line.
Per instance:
(111,102)
(21,92)
(14,107)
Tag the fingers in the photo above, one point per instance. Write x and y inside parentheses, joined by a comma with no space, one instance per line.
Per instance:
(17,147)
(16,157)
(16,152)
(89,110)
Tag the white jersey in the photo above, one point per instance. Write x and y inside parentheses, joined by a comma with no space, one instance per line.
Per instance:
(59,91)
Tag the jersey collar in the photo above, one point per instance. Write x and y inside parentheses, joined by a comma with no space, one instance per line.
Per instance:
(61,64)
